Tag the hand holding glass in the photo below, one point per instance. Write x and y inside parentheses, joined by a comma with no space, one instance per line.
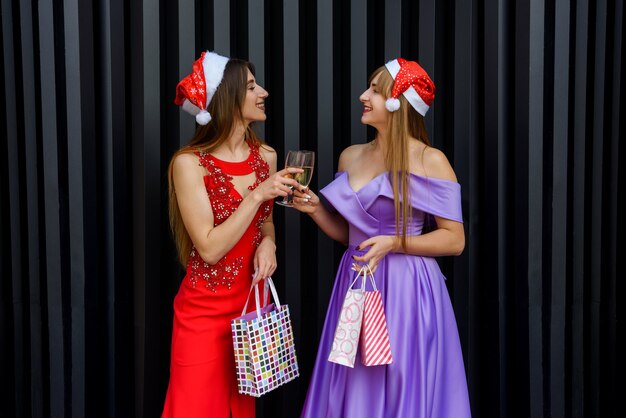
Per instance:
(299,159)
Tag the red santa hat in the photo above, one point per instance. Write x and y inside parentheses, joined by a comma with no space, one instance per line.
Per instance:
(411,80)
(194,92)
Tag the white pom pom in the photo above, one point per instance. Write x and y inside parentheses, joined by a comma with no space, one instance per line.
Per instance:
(392,104)
(203,117)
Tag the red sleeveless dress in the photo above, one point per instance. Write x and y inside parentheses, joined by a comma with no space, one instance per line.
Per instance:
(203,382)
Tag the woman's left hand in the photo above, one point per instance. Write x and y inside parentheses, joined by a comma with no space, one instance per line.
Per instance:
(264,260)
(380,246)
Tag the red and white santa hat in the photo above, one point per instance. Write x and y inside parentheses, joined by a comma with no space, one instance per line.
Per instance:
(195,91)
(411,80)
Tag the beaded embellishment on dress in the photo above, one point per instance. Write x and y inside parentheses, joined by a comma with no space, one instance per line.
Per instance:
(222,273)
(224,201)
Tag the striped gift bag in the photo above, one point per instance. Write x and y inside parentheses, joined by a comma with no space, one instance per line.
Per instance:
(375,346)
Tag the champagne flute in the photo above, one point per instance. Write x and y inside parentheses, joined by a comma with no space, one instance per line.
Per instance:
(299,159)
(307,159)
(291,160)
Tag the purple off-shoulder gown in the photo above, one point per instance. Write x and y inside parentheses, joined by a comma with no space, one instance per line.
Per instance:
(427,377)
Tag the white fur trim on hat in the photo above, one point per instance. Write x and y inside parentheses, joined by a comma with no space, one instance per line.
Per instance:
(214,66)
(190,108)
(416,101)
(393,67)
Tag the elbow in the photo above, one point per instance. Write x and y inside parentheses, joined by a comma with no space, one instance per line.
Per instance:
(458,246)
(207,256)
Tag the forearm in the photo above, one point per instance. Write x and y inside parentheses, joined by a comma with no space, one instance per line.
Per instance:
(333,224)
(267,231)
(440,242)
(222,238)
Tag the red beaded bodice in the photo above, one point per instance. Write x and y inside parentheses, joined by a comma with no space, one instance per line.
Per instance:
(225,199)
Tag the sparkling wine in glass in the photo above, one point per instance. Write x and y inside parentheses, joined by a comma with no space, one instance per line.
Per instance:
(291,160)
(307,159)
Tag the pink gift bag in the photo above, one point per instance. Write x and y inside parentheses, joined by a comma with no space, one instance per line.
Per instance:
(348,329)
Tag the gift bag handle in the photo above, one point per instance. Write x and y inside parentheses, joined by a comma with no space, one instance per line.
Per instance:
(363,272)
(274,293)
(268,281)
(266,288)
(371,274)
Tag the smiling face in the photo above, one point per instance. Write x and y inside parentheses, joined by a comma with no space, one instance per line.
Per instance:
(375,113)
(254,104)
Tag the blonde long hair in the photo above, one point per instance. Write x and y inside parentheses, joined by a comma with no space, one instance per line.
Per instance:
(226,109)
(403,124)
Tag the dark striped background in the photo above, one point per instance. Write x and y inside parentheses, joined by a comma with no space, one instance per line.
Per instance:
(528,106)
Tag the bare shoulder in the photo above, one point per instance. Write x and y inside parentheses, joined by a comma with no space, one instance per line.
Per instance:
(268,153)
(350,155)
(270,156)
(185,161)
(186,168)
(436,164)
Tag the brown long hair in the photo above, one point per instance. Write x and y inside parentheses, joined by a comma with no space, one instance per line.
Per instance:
(225,109)
(403,124)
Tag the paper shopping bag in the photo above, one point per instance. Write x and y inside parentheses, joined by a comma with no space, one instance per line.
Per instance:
(265,354)
(346,340)
(375,346)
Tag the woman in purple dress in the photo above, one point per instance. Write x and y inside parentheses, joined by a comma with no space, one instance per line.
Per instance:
(382,196)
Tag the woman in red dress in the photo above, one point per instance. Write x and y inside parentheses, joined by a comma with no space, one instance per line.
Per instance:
(221,190)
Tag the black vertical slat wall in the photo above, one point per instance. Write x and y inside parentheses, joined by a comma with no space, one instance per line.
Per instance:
(529,99)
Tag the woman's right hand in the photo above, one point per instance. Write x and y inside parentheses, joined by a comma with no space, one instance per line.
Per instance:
(278,184)
(305,201)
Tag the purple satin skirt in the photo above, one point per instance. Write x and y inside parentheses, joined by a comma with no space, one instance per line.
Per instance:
(427,376)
